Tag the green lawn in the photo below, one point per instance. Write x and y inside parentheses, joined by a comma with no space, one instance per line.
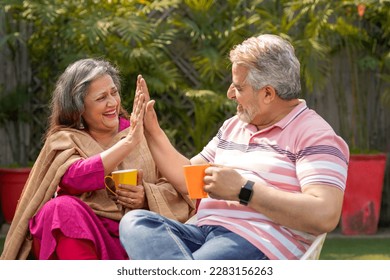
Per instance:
(367,248)
(345,248)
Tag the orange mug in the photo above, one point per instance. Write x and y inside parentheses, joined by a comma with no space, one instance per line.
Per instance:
(125,177)
(194,175)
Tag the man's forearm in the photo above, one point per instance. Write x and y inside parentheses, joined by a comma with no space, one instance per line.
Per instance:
(168,160)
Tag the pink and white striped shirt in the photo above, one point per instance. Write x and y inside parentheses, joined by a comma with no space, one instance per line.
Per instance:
(300,149)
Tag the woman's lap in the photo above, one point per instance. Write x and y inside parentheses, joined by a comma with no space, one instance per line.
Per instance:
(74,219)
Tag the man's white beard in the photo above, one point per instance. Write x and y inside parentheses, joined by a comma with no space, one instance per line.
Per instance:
(246,115)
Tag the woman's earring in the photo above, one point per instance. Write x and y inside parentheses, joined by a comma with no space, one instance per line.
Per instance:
(81,126)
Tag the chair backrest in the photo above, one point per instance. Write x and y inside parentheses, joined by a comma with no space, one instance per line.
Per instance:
(192,220)
(314,251)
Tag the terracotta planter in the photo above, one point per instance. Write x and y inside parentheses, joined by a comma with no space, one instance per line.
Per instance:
(12,181)
(363,195)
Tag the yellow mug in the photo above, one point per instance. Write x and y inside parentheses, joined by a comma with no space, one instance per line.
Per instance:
(125,177)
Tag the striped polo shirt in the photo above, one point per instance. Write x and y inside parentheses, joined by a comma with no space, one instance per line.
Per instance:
(300,149)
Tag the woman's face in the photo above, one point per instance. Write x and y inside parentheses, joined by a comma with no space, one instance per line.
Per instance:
(102,104)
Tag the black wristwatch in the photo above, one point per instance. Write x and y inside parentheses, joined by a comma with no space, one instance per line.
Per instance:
(246,192)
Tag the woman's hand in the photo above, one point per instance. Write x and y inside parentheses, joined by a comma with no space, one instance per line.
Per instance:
(133,197)
(136,131)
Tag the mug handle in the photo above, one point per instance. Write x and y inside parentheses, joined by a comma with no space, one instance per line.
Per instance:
(107,187)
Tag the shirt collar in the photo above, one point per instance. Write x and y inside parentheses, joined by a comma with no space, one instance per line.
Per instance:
(283,123)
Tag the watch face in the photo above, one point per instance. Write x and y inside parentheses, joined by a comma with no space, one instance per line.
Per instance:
(245,194)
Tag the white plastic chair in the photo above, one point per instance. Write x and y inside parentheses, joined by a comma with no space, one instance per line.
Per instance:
(313,253)
(191,220)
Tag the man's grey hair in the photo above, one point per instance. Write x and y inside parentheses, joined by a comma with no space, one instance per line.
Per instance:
(271,61)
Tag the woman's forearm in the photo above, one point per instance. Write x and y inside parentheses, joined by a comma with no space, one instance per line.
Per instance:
(113,156)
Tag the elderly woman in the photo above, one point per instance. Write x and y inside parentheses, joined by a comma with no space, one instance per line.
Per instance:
(65,211)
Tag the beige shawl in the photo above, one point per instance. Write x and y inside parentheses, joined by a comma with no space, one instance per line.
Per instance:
(59,152)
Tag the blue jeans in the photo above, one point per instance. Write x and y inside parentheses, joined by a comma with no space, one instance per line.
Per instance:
(149,236)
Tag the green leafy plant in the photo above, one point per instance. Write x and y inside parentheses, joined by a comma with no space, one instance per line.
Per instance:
(209,109)
(182,44)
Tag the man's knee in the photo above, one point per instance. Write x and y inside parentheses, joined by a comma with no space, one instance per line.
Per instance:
(132,219)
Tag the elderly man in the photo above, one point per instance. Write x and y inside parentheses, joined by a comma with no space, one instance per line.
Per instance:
(277,175)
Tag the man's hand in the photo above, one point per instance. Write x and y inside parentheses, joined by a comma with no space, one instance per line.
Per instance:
(223,183)
(150,117)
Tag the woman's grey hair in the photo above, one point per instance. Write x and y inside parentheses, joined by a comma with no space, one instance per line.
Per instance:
(271,61)
(67,103)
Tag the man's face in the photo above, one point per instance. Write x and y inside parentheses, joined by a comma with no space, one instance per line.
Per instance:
(248,106)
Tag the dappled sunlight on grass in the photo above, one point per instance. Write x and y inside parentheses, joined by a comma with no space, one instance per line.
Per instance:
(373,257)
(355,257)
(356,249)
